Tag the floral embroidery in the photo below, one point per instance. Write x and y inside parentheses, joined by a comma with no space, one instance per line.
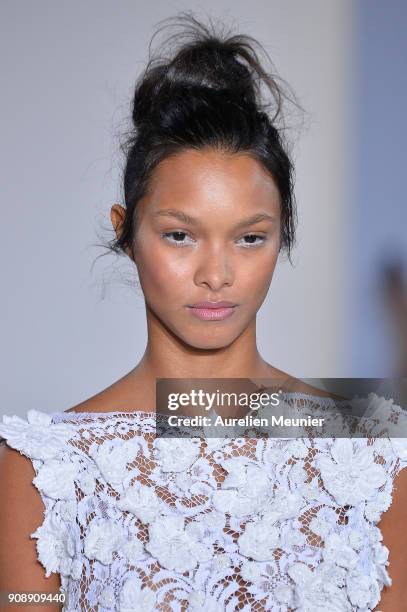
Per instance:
(134,597)
(297,448)
(141,501)
(399,446)
(87,482)
(259,541)
(55,546)
(320,525)
(56,479)
(375,507)
(250,571)
(246,488)
(175,546)
(139,523)
(351,475)
(175,455)
(198,601)
(29,436)
(112,457)
(67,510)
(102,540)
(133,550)
(337,551)
(199,482)
(319,590)
(363,590)
(106,597)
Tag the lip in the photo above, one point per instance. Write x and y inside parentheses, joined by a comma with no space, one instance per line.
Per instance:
(210,304)
(213,311)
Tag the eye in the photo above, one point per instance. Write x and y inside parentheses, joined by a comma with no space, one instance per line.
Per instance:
(179,237)
(252,238)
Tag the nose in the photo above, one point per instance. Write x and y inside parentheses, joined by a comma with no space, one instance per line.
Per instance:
(215,269)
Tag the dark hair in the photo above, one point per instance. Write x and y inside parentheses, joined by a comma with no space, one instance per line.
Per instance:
(207,92)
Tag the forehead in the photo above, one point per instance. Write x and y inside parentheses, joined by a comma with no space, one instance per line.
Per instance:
(212,176)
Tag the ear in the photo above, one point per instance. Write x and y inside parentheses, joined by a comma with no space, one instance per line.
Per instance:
(117,217)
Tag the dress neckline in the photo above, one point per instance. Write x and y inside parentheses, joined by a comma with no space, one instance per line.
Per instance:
(132,413)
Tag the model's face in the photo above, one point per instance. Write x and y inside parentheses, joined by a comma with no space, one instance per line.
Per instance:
(194,243)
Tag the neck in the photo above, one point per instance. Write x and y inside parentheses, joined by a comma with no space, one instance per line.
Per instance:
(166,356)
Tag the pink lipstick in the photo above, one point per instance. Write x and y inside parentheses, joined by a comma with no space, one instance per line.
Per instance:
(212,311)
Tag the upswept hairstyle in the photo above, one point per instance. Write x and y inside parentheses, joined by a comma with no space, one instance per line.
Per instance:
(206,92)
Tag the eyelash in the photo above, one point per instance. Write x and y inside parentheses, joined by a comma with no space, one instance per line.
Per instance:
(178,243)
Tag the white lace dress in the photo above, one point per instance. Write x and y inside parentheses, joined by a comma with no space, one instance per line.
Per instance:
(137,523)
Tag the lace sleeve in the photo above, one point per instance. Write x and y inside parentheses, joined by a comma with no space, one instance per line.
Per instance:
(384,425)
(45,444)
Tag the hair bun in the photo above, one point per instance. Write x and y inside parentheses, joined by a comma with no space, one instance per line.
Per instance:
(210,64)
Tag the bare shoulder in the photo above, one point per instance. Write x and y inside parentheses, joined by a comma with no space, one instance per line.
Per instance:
(92,404)
(295,385)
(21,513)
(101,402)
(122,395)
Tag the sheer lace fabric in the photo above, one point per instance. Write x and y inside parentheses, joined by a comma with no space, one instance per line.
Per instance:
(137,523)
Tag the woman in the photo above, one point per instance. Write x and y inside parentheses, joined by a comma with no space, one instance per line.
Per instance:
(124,521)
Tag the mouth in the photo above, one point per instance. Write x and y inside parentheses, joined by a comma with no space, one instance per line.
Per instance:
(212,311)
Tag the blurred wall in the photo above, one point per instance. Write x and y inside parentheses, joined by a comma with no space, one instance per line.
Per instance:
(378,221)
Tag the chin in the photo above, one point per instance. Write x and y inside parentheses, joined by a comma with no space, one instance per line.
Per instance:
(197,337)
(208,345)
(200,340)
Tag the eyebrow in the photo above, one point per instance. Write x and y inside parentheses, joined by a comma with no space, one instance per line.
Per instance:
(181,216)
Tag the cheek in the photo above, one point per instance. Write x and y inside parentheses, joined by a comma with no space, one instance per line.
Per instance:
(161,274)
(256,276)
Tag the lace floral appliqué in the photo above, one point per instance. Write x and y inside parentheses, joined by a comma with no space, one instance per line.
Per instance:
(135,522)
